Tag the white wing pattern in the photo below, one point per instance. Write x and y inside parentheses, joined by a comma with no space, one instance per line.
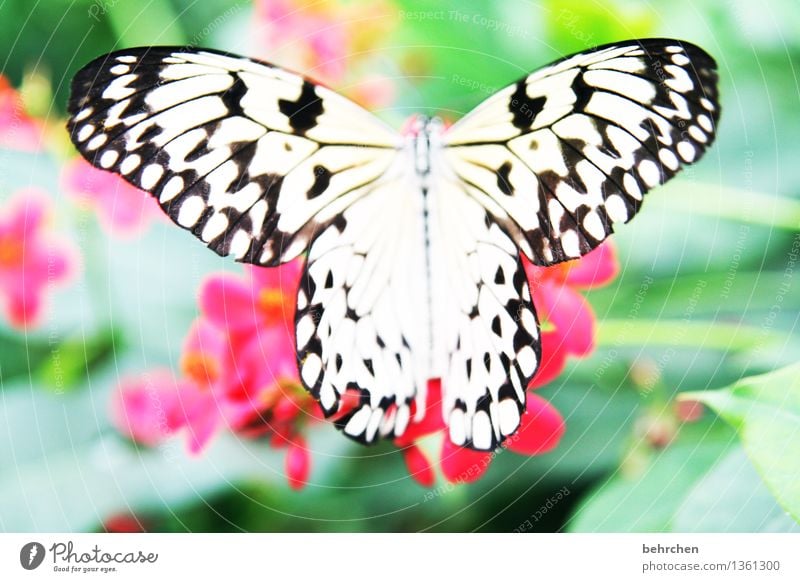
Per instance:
(413,269)
(245,155)
(560,156)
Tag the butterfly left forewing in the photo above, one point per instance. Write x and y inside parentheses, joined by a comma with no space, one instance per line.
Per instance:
(249,157)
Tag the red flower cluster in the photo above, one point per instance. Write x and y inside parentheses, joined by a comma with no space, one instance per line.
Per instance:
(238,373)
(32,260)
(567,318)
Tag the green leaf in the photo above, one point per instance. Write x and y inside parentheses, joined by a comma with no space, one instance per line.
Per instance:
(765,411)
(647,499)
(73,361)
(144,24)
(55,363)
(732,498)
(705,334)
(19,354)
(576,26)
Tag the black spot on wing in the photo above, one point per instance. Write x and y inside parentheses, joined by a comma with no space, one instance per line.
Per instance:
(303,112)
(503,182)
(583,92)
(232,98)
(322,179)
(523,108)
(500,276)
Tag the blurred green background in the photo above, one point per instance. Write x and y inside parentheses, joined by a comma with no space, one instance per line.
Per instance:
(707,293)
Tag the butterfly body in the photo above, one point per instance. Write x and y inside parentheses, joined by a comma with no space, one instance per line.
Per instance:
(413,240)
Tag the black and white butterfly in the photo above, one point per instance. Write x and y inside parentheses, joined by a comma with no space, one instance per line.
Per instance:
(413,240)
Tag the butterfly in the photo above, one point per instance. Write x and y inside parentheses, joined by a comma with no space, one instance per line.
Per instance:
(413,239)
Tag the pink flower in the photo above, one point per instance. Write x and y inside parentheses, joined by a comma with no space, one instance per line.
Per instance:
(17,129)
(304,38)
(209,374)
(32,261)
(327,39)
(123,210)
(239,373)
(298,463)
(567,318)
(257,313)
(147,408)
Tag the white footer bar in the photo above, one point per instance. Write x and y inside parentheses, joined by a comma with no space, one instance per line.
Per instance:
(401,557)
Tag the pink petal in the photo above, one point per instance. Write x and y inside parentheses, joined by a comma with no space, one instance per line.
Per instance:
(463,465)
(228,302)
(418,466)
(431,422)
(26,213)
(571,315)
(23,309)
(122,209)
(285,410)
(541,428)
(61,261)
(284,278)
(147,408)
(553,360)
(271,350)
(298,463)
(202,424)
(203,337)
(595,269)
(17,129)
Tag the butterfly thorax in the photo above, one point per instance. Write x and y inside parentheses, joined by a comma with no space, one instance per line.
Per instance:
(424,134)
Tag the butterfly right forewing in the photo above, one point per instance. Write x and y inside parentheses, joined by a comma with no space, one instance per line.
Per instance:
(569,151)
